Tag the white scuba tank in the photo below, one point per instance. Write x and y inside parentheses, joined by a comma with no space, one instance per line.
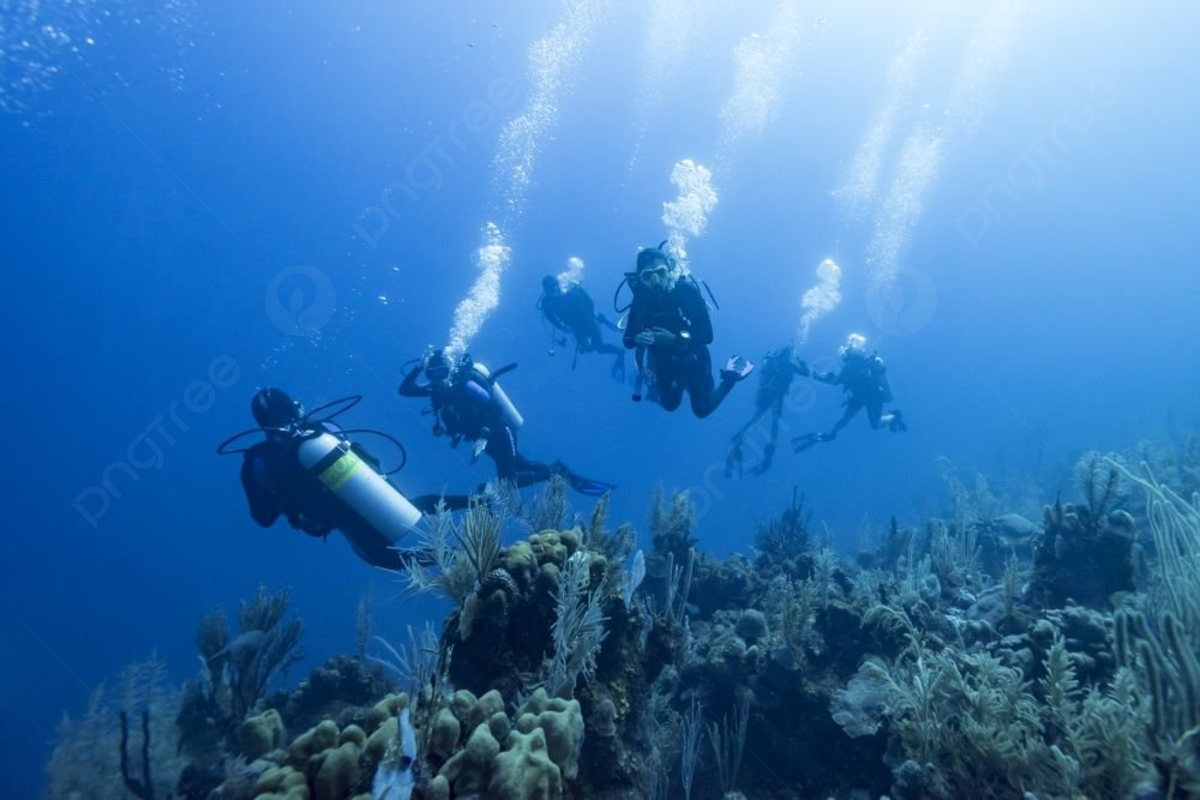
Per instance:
(363,489)
(507,410)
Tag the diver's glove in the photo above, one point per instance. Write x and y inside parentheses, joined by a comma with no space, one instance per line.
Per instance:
(897,424)
(736,369)
(309,525)
(480,444)
(618,368)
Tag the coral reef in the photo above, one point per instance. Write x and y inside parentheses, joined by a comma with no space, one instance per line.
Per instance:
(975,655)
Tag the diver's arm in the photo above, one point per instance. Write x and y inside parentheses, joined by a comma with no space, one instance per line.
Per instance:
(309,525)
(410,388)
(554,320)
(831,377)
(633,326)
(264,506)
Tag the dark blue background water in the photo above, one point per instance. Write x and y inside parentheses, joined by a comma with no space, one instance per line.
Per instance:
(164,176)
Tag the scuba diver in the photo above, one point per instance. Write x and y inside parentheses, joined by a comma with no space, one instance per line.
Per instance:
(469,404)
(573,311)
(307,470)
(670,328)
(779,369)
(864,377)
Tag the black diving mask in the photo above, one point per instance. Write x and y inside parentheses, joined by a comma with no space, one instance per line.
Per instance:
(660,272)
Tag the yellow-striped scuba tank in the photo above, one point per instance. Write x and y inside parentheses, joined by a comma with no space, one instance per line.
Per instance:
(339,469)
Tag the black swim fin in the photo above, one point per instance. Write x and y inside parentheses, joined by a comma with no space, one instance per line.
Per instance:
(802,443)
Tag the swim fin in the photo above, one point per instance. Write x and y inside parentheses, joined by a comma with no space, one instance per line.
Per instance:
(802,443)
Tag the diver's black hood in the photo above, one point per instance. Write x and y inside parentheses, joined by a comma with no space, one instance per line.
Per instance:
(274,408)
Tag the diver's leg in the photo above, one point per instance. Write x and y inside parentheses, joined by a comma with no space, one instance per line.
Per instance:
(733,461)
(372,546)
(852,408)
(705,393)
(670,385)
(876,416)
(740,436)
(802,443)
(529,472)
(764,463)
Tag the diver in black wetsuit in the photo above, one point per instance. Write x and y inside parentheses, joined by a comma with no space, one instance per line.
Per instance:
(864,378)
(779,369)
(470,405)
(277,483)
(670,327)
(572,310)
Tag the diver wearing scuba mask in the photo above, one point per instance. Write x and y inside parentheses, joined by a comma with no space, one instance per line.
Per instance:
(309,472)
(468,404)
(863,377)
(572,310)
(779,368)
(670,327)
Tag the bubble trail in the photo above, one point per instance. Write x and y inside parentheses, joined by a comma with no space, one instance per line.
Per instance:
(760,64)
(573,274)
(918,165)
(687,215)
(861,184)
(491,259)
(820,299)
(669,29)
(553,62)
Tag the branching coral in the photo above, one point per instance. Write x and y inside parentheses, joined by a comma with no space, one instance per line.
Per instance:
(1099,479)
(954,554)
(784,538)
(988,731)
(86,759)
(578,629)
(450,555)
(1165,663)
(671,527)
(268,645)
(1175,526)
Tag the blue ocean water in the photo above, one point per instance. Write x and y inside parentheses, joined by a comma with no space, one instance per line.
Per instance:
(1025,264)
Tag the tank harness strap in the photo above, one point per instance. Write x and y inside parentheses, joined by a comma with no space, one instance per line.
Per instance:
(495,376)
(707,290)
(617,294)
